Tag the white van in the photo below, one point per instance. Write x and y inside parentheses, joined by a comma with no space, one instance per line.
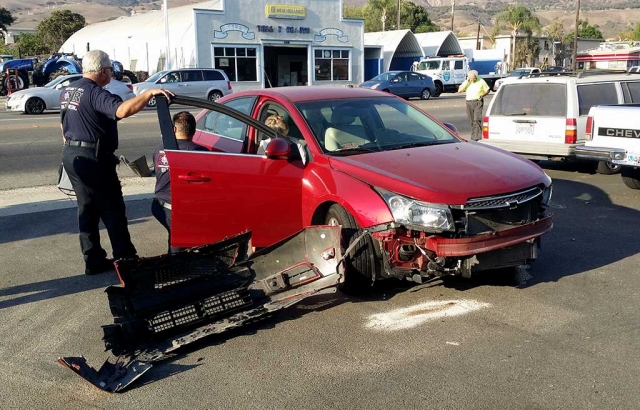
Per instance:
(544,117)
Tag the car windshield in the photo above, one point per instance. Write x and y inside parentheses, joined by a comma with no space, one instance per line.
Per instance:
(55,82)
(364,125)
(155,77)
(429,65)
(384,77)
(519,72)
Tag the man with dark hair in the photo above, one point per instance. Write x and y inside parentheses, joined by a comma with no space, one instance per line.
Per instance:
(184,126)
(89,116)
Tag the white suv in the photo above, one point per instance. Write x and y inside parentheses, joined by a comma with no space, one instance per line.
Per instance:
(545,117)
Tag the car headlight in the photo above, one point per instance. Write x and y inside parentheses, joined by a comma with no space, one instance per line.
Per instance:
(412,212)
(546,195)
(15,97)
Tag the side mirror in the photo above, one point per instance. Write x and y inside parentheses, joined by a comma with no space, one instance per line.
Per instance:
(451,127)
(163,80)
(278,148)
(58,86)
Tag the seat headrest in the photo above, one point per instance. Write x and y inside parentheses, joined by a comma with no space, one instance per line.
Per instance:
(342,117)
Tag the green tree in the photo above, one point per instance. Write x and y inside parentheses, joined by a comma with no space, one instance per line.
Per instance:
(586,30)
(382,15)
(31,45)
(57,28)
(636,32)
(517,19)
(6,19)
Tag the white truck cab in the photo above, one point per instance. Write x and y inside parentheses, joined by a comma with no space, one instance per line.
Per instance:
(447,72)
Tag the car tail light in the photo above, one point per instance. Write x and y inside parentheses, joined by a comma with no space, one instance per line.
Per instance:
(129,86)
(485,128)
(589,129)
(570,133)
(229,84)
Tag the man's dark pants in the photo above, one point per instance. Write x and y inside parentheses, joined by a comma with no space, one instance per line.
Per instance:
(163,215)
(99,195)
(474,112)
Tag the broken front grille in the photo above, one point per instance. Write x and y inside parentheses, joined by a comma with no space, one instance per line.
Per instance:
(501,201)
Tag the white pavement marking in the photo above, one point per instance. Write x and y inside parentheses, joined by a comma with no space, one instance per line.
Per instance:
(413,316)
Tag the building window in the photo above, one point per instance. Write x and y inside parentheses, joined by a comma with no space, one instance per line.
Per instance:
(240,63)
(331,65)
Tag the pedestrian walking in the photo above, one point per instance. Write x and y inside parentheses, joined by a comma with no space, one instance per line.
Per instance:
(89,116)
(184,127)
(476,89)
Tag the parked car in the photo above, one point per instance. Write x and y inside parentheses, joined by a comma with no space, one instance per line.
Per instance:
(208,83)
(516,74)
(40,99)
(414,199)
(406,84)
(544,117)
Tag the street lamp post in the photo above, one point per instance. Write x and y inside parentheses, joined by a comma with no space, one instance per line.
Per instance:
(167,52)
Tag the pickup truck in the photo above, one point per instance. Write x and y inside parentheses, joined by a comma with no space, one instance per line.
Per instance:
(612,133)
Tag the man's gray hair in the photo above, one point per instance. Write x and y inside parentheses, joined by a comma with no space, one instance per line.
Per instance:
(472,73)
(94,61)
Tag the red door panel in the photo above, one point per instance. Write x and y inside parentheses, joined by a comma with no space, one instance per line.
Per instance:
(215,195)
(217,143)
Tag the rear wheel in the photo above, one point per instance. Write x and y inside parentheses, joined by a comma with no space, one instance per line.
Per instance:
(607,168)
(360,264)
(214,95)
(34,105)
(128,77)
(425,94)
(58,73)
(631,177)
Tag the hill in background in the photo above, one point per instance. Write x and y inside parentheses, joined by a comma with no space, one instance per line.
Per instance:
(610,15)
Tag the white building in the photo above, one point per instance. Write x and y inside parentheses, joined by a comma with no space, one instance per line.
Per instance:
(257,43)
(12,34)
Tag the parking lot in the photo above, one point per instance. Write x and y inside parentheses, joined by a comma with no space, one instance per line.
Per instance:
(561,334)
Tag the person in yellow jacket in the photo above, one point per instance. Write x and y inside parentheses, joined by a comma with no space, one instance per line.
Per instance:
(476,88)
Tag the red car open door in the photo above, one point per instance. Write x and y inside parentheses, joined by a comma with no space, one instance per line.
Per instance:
(215,195)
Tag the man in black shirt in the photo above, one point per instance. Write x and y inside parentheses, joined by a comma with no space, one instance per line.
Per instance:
(184,126)
(89,116)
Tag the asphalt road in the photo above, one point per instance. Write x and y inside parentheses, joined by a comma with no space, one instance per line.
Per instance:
(30,145)
(562,334)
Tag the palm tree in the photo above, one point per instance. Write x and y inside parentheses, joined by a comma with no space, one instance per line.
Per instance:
(517,19)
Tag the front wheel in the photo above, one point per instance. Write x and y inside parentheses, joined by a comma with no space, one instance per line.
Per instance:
(425,94)
(34,105)
(214,95)
(631,177)
(607,168)
(360,264)
(438,90)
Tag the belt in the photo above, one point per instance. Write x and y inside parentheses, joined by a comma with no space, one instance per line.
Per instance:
(164,203)
(81,144)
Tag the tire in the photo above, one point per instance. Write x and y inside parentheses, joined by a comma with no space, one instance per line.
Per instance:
(361,264)
(3,84)
(631,177)
(152,102)
(60,72)
(25,78)
(607,168)
(425,94)
(128,77)
(214,95)
(438,90)
(34,105)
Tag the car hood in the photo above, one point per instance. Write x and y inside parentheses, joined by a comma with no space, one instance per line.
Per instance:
(445,174)
(30,91)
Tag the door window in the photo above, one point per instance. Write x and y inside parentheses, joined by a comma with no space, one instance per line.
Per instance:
(458,65)
(590,95)
(212,75)
(191,76)
(172,77)
(634,91)
(416,77)
(445,65)
(225,126)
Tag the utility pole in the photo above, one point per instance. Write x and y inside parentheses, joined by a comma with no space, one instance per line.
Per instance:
(166,35)
(574,54)
(453,3)
(398,23)
(478,46)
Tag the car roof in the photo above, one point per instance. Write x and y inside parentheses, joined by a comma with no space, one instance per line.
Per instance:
(579,80)
(306,93)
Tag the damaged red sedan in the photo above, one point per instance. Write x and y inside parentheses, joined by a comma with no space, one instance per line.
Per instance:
(414,199)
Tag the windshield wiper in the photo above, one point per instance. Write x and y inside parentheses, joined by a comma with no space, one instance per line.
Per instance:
(352,150)
(510,114)
(417,144)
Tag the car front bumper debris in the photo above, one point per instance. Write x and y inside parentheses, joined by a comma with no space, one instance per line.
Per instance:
(169,301)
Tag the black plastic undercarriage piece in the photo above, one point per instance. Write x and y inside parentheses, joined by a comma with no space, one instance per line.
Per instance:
(169,301)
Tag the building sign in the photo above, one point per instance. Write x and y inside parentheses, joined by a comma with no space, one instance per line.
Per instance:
(282,29)
(285,11)
(222,33)
(322,36)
